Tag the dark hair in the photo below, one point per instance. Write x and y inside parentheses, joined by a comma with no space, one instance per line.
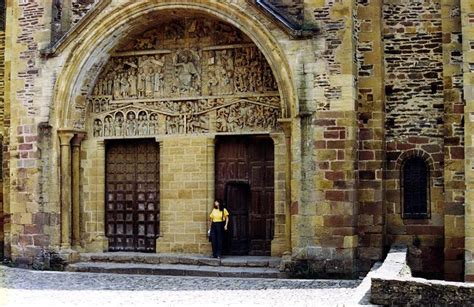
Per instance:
(221,204)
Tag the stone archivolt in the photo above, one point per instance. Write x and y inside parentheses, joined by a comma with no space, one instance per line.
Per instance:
(185,77)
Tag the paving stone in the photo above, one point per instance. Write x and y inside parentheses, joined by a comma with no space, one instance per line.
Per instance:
(38,288)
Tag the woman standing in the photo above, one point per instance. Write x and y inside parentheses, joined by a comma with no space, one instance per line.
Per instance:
(219,218)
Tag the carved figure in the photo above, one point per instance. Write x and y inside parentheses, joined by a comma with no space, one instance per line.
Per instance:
(149,79)
(141,83)
(108,126)
(116,87)
(124,86)
(153,124)
(142,124)
(118,124)
(171,125)
(158,89)
(132,84)
(131,124)
(186,71)
(97,128)
(197,124)
(110,85)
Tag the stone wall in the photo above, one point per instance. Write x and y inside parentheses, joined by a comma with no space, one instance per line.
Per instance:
(2,105)
(371,132)
(414,122)
(187,175)
(467,20)
(80,8)
(326,217)
(344,90)
(26,229)
(453,141)
(392,284)
(293,10)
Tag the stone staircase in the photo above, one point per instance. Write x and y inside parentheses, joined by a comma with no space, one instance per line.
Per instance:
(178,265)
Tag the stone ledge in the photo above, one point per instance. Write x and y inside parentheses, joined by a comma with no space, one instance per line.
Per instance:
(393,284)
(175,270)
(183,259)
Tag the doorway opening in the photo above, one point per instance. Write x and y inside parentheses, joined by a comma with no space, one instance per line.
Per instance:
(245,181)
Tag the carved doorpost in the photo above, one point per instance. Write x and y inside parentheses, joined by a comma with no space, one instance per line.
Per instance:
(286,125)
(76,168)
(211,171)
(65,137)
(101,239)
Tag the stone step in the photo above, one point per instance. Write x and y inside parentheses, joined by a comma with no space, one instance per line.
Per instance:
(185,259)
(175,270)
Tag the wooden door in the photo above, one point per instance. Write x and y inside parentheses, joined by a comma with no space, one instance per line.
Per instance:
(247,161)
(132,195)
(237,200)
(261,215)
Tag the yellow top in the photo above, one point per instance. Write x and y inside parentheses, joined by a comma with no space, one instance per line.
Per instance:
(216,215)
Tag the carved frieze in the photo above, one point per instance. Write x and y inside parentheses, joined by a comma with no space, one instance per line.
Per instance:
(186,77)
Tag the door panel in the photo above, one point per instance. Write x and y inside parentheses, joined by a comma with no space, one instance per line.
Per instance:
(132,195)
(237,201)
(247,161)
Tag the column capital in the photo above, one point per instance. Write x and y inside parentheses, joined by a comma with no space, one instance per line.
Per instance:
(285,124)
(65,136)
(78,138)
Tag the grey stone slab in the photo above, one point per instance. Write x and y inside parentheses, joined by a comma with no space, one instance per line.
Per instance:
(233,262)
(274,262)
(173,269)
(210,261)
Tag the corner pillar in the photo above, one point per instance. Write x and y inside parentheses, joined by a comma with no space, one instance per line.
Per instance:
(76,168)
(65,137)
(281,243)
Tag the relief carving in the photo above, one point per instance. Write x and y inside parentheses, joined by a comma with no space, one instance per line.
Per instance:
(188,76)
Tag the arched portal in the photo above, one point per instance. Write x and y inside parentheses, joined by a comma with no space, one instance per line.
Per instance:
(179,77)
(183,77)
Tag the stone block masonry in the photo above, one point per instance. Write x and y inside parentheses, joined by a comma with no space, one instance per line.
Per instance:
(186,173)
(414,122)
(454,177)
(371,136)
(378,82)
(467,22)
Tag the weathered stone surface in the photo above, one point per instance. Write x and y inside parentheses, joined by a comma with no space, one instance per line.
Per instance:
(378,82)
(392,284)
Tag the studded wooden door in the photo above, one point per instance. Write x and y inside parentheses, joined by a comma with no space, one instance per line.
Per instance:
(247,161)
(132,195)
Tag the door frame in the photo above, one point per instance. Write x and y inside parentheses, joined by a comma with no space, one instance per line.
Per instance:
(281,232)
(135,213)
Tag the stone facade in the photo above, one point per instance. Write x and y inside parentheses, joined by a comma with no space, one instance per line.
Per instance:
(361,87)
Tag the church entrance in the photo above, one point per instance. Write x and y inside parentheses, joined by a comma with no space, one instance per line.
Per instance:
(245,181)
(132,195)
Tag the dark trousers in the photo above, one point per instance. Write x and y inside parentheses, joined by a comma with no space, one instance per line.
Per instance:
(217,236)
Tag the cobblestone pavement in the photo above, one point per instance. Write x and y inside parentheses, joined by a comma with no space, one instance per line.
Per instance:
(35,288)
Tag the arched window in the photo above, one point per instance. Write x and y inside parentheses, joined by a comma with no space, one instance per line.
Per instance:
(415,188)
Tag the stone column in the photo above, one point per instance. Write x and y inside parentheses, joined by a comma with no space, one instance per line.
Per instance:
(65,137)
(100,200)
(281,242)
(286,125)
(76,169)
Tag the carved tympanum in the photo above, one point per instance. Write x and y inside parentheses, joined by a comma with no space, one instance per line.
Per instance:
(188,76)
